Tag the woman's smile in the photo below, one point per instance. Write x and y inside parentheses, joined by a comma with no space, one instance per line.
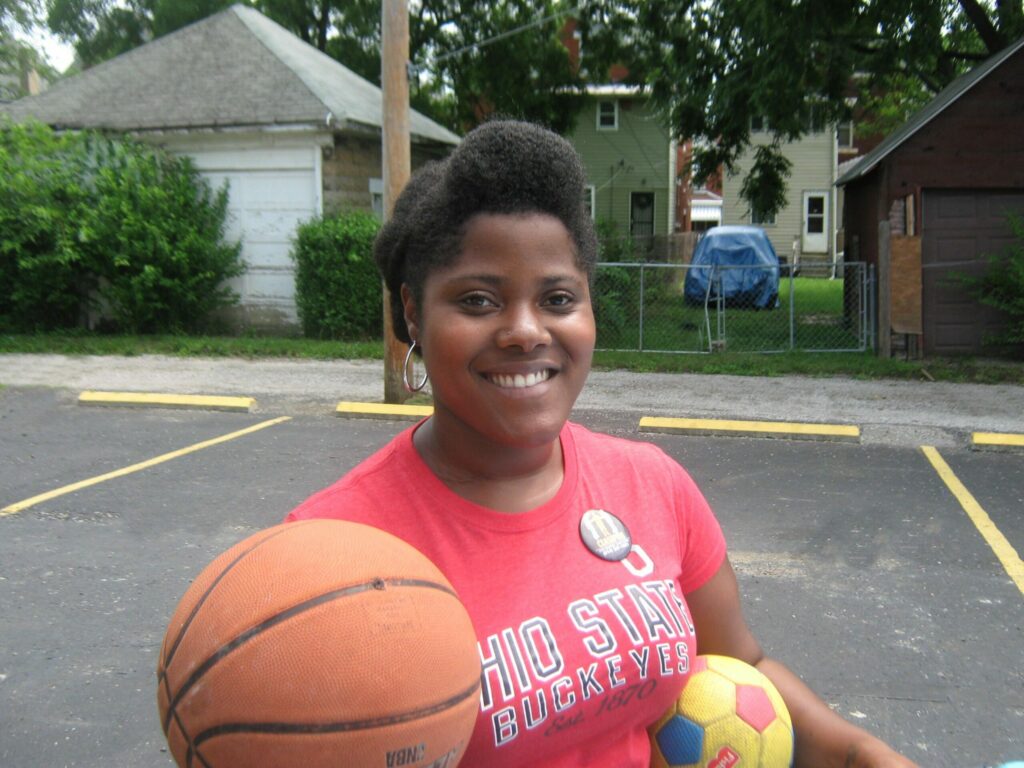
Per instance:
(518,380)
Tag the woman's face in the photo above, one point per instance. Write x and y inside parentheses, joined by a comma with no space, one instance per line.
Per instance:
(507,330)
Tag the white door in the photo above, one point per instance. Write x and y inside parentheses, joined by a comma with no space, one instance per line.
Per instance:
(816,224)
(274,184)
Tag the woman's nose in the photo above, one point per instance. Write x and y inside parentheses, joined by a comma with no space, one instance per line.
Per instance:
(524,328)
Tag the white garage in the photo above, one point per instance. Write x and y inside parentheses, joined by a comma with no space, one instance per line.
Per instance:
(292,131)
(274,184)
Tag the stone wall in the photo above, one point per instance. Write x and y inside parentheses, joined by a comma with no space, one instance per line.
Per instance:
(348,167)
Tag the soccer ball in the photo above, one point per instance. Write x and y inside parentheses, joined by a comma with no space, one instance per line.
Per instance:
(728,715)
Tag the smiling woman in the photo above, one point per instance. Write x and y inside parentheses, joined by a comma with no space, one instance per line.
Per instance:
(507,334)
(589,564)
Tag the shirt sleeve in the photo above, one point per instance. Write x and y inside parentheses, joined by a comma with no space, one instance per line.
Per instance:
(701,541)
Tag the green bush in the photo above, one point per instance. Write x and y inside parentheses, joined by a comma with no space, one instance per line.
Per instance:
(92,223)
(155,237)
(337,286)
(616,298)
(1001,285)
(43,281)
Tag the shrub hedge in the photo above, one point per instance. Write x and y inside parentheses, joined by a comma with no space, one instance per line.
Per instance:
(94,225)
(337,286)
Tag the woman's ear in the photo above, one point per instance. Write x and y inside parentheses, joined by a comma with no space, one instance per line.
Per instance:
(411,315)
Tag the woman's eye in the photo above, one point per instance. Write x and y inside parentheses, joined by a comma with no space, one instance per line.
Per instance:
(476,301)
(561,299)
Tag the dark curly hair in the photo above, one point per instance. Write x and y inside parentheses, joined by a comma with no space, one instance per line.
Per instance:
(502,166)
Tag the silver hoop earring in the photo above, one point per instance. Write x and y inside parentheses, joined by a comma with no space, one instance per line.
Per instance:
(405,371)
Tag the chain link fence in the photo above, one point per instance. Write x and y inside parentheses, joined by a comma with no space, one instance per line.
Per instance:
(654,307)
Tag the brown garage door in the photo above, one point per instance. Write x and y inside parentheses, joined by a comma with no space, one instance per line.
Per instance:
(960,227)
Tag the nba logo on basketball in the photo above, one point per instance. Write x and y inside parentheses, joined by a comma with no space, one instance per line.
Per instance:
(405,756)
(725,758)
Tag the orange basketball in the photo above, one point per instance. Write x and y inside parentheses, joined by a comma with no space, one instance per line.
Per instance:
(319,643)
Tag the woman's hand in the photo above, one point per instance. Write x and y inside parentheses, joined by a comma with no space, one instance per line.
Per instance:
(872,753)
(823,738)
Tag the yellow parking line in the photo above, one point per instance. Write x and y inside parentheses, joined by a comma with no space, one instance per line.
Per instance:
(797,430)
(383,410)
(997,440)
(21,505)
(1007,555)
(160,400)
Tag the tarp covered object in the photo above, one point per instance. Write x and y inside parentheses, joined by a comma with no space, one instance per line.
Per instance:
(738,261)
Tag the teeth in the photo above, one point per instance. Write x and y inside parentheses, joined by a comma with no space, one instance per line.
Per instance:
(519,381)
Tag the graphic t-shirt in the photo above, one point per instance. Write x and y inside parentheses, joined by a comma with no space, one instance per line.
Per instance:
(579,653)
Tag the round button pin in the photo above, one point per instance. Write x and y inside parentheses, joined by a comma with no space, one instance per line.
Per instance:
(605,535)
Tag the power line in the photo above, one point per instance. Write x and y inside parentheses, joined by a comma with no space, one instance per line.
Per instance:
(503,35)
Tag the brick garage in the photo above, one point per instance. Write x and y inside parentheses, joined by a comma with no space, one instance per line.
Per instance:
(932,199)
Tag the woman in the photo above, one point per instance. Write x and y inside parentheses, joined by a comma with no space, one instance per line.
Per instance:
(592,567)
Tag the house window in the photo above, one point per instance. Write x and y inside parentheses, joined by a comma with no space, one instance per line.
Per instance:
(377,198)
(641,214)
(758,124)
(844,134)
(608,115)
(588,199)
(815,118)
(761,220)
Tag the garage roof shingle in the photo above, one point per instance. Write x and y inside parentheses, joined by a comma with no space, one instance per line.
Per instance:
(235,68)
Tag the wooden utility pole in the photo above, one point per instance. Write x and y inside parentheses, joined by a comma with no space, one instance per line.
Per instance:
(397,160)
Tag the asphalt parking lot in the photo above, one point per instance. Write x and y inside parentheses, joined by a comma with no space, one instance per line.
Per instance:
(860,568)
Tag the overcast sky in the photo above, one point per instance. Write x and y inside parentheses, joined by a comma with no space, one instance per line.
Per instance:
(59,55)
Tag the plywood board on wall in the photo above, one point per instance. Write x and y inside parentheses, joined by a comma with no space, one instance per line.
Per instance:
(905,283)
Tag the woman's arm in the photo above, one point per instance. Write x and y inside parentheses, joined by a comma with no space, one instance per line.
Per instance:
(823,738)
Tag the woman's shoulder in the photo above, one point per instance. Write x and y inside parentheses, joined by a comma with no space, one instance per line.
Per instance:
(591,442)
(369,485)
(611,455)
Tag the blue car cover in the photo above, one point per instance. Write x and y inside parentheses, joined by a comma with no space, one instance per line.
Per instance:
(738,261)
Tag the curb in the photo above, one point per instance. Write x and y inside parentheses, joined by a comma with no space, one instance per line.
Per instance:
(383,411)
(156,400)
(843,433)
(997,441)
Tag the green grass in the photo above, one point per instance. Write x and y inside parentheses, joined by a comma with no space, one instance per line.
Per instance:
(864,365)
(671,325)
(208,346)
(859,365)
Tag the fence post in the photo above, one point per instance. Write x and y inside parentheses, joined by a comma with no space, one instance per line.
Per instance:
(642,303)
(792,310)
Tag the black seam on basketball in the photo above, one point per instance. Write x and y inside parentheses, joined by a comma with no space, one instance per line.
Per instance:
(199,603)
(167,689)
(162,674)
(288,613)
(301,729)
(188,739)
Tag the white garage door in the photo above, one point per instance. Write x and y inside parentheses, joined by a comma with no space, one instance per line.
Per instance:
(272,189)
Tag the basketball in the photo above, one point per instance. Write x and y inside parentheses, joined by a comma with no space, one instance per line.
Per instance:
(728,714)
(319,643)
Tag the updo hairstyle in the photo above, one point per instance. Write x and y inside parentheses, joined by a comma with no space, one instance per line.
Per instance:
(501,167)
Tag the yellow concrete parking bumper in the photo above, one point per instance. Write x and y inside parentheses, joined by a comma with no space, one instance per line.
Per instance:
(780,429)
(383,411)
(156,400)
(995,441)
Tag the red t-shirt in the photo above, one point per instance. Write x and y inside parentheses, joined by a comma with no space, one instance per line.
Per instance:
(579,654)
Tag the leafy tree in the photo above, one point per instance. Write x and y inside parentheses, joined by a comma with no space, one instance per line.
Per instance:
(713,66)
(102,29)
(470,58)
(16,57)
(498,57)
(17,13)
